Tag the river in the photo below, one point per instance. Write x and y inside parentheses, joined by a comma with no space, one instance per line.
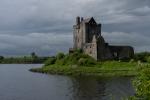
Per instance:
(17,83)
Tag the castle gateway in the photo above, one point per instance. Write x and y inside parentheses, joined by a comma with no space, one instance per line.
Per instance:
(87,37)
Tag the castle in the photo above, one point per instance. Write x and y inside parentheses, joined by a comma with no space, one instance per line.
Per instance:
(87,37)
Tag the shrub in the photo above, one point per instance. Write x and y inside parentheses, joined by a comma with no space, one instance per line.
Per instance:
(72,58)
(131,60)
(50,61)
(91,61)
(142,84)
(148,59)
(86,62)
(79,51)
(60,62)
(142,56)
(82,61)
(75,58)
(60,56)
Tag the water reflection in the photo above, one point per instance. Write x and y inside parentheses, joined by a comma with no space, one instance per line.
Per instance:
(17,83)
(94,88)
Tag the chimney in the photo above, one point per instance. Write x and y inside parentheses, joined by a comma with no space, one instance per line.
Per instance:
(78,20)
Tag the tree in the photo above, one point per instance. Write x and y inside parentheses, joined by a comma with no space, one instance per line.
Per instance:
(60,56)
(1,58)
(34,57)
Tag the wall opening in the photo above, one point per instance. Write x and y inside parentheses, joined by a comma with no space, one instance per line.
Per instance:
(116,55)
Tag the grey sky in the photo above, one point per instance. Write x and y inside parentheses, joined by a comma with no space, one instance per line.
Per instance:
(45,26)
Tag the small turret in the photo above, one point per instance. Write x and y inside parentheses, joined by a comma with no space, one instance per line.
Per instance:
(78,20)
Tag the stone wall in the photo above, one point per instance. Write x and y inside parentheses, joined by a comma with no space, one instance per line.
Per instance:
(122,52)
(91,49)
(87,36)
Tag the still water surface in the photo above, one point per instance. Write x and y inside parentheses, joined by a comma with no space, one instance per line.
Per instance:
(17,83)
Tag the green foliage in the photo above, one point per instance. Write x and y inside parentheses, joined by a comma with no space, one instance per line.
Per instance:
(60,62)
(1,58)
(79,51)
(86,62)
(142,84)
(23,60)
(60,56)
(148,59)
(142,56)
(78,63)
(50,61)
(76,58)
(118,65)
(82,61)
(33,55)
(131,61)
(98,70)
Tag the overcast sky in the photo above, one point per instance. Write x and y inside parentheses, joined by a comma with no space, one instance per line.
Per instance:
(45,26)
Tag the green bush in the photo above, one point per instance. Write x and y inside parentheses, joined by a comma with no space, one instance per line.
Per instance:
(75,58)
(142,84)
(50,61)
(60,62)
(79,51)
(91,61)
(148,59)
(60,56)
(86,62)
(71,59)
(82,62)
(131,60)
(142,56)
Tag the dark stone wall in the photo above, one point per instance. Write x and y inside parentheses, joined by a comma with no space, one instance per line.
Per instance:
(122,52)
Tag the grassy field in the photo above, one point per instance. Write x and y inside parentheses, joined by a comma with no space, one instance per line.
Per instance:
(109,68)
(79,63)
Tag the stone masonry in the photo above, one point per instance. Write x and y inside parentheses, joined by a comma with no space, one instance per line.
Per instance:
(87,37)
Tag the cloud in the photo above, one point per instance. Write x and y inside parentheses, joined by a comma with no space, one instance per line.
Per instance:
(133,39)
(143,11)
(41,43)
(45,26)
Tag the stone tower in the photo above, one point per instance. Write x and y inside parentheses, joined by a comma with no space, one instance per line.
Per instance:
(84,30)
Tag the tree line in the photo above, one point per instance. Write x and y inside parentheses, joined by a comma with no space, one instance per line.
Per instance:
(33,58)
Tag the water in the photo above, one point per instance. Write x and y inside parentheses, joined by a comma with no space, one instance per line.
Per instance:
(17,83)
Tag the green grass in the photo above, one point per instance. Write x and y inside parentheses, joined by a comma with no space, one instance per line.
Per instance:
(116,65)
(79,63)
(142,84)
(111,68)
